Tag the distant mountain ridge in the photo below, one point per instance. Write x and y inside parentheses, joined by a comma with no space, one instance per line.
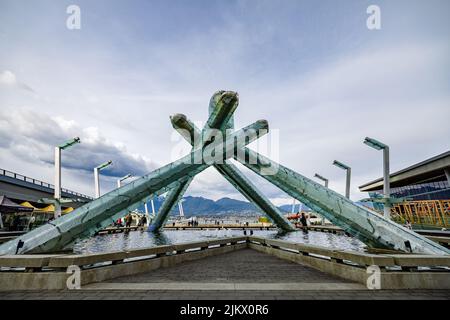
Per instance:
(197,206)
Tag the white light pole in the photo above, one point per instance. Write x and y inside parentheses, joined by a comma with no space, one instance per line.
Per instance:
(318,176)
(386,182)
(153,207)
(96,176)
(325,180)
(57,194)
(180,208)
(349,173)
(293,206)
(119,181)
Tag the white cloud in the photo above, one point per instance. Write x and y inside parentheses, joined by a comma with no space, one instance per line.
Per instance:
(32,135)
(9,79)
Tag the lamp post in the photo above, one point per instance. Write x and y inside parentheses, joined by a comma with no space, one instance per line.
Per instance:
(119,181)
(293,206)
(349,173)
(386,183)
(57,194)
(325,180)
(96,176)
(180,208)
(318,176)
(153,207)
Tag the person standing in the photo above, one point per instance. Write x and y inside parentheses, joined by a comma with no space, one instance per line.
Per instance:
(304,222)
(128,220)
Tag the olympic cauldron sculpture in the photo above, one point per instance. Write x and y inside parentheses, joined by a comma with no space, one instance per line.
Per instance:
(174,178)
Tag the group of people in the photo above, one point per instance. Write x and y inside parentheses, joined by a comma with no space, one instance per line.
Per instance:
(127,221)
(193,223)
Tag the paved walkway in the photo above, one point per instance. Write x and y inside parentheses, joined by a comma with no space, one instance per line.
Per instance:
(242,266)
(241,275)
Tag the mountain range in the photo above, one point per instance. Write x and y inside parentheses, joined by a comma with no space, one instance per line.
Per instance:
(195,206)
(199,206)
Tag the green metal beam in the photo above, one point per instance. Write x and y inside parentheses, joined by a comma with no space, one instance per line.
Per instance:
(364,224)
(98,214)
(225,103)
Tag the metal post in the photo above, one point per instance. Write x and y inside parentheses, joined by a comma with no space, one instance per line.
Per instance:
(347,183)
(325,180)
(97,178)
(119,181)
(57,194)
(146,208)
(180,208)
(97,183)
(377,145)
(153,207)
(386,183)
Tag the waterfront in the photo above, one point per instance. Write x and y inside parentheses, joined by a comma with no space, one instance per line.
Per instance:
(142,239)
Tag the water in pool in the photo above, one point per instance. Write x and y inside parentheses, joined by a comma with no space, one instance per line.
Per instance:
(143,239)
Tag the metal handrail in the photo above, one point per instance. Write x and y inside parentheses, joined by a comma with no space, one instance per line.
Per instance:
(21,177)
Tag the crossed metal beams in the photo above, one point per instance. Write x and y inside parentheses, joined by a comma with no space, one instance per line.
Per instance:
(99,213)
(221,109)
(362,223)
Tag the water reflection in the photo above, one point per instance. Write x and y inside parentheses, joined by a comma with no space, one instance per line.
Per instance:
(141,239)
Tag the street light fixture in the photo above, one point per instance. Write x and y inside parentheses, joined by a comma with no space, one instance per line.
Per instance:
(96,176)
(325,180)
(57,193)
(119,181)
(349,173)
(386,183)
(318,176)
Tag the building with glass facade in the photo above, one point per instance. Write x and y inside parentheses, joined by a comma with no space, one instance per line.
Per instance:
(427,180)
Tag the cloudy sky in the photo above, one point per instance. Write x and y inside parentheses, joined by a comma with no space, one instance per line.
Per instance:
(313,69)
